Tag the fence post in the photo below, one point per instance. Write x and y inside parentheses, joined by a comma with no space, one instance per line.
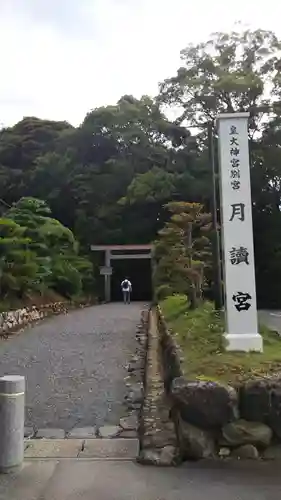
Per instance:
(12,390)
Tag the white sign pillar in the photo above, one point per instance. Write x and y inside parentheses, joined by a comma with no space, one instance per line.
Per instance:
(237,232)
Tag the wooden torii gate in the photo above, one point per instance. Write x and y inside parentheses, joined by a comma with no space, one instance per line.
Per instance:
(112,252)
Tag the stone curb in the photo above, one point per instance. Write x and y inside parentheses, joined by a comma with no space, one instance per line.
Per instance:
(104,432)
(91,449)
(158,441)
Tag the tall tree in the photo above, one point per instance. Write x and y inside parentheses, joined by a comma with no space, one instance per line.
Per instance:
(18,264)
(20,147)
(55,250)
(183,250)
(228,73)
(31,137)
(115,144)
(266,195)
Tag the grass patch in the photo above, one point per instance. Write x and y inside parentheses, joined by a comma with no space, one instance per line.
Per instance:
(199,333)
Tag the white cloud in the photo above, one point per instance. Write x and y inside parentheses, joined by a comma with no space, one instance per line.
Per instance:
(60,58)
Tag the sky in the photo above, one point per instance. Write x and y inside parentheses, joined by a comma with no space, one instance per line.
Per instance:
(61,58)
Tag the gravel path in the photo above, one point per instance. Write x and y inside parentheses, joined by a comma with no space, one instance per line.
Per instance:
(74,365)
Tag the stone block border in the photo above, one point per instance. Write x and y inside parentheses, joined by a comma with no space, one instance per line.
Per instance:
(103,432)
(90,449)
(158,440)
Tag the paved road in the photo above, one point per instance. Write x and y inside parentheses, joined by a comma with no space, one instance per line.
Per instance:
(72,480)
(74,365)
(272,319)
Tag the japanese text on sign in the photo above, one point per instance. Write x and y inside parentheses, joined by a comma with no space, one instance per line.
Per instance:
(237,233)
(242,301)
(239,255)
(238,211)
(235,158)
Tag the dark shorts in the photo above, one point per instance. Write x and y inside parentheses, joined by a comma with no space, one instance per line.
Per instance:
(126,295)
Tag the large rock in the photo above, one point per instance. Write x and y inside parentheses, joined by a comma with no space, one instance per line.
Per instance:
(129,423)
(109,431)
(136,394)
(204,404)
(171,360)
(169,455)
(272,452)
(194,443)
(158,437)
(260,401)
(243,432)
(50,434)
(166,456)
(224,452)
(149,457)
(247,451)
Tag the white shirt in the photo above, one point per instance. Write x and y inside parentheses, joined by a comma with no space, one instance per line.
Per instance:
(126,286)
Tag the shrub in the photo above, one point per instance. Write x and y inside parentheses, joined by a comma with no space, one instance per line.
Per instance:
(163,291)
(66,278)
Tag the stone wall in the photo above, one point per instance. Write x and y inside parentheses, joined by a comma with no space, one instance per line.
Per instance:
(12,321)
(157,433)
(218,421)
(170,352)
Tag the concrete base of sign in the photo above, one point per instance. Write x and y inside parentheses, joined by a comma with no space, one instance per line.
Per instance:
(244,342)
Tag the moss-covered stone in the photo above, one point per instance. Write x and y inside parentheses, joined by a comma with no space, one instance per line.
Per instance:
(242,432)
(194,443)
(204,404)
(260,401)
(247,451)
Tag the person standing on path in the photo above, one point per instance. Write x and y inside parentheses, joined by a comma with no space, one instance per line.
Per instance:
(126,287)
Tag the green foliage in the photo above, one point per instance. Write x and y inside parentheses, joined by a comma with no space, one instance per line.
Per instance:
(66,279)
(37,252)
(228,73)
(21,145)
(183,251)
(199,334)
(85,269)
(163,291)
(154,185)
(18,266)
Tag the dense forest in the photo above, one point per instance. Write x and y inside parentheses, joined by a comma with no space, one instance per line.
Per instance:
(109,180)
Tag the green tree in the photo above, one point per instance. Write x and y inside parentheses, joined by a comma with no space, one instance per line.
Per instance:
(18,264)
(113,145)
(59,265)
(183,250)
(20,147)
(228,73)
(31,214)
(82,173)
(52,181)
(266,196)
